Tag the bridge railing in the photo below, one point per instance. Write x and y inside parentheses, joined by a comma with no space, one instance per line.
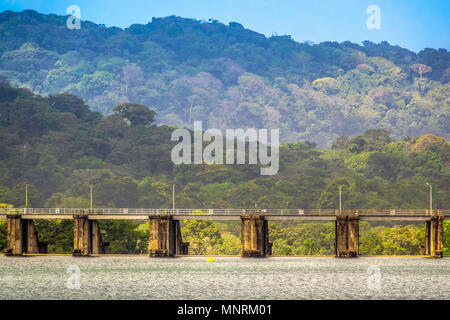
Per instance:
(220,212)
(144,211)
(401,212)
(119,211)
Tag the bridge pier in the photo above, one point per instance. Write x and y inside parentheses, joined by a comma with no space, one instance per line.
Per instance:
(87,239)
(255,236)
(14,245)
(347,236)
(165,237)
(434,236)
(97,244)
(32,243)
(81,236)
(22,237)
(182,248)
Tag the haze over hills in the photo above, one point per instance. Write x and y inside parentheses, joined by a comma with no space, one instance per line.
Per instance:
(231,77)
(59,147)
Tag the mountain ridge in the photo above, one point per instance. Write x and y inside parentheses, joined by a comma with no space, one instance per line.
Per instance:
(230,77)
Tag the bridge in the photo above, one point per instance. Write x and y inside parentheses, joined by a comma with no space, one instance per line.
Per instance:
(165,237)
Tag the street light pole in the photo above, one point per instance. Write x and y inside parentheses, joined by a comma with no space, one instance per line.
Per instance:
(340,200)
(26,195)
(431,198)
(90,186)
(173,198)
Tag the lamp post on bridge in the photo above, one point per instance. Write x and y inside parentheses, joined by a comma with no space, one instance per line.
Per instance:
(26,195)
(91,205)
(431,198)
(340,199)
(173,198)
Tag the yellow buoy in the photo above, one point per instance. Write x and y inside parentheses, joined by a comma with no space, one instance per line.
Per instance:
(210,259)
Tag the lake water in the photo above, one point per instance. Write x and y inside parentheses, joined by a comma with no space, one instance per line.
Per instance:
(227,278)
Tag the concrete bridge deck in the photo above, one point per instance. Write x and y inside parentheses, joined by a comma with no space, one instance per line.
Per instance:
(226,218)
(222,214)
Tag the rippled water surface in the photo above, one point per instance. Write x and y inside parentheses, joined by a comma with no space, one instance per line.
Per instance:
(227,278)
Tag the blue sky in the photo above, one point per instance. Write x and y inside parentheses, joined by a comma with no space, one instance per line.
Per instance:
(412,24)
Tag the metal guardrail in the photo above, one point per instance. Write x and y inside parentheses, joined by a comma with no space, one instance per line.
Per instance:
(219,212)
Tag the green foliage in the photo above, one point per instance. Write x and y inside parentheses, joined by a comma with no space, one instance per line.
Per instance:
(203,236)
(4,228)
(327,85)
(116,192)
(154,193)
(3,234)
(225,74)
(59,200)
(124,236)
(16,196)
(230,245)
(447,238)
(302,238)
(58,234)
(72,147)
(89,163)
(396,240)
(136,114)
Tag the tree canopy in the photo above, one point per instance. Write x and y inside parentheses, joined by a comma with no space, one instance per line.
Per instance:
(136,114)
(59,151)
(229,77)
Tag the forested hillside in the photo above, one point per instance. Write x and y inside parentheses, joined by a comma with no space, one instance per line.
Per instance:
(59,146)
(231,77)
(373,118)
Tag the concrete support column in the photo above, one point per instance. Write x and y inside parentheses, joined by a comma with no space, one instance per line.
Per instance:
(347,236)
(434,236)
(82,235)
(32,242)
(182,248)
(15,236)
(96,238)
(165,238)
(162,236)
(254,236)
(22,237)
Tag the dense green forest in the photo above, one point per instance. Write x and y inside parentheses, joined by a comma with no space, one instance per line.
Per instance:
(229,77)
(59,147)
